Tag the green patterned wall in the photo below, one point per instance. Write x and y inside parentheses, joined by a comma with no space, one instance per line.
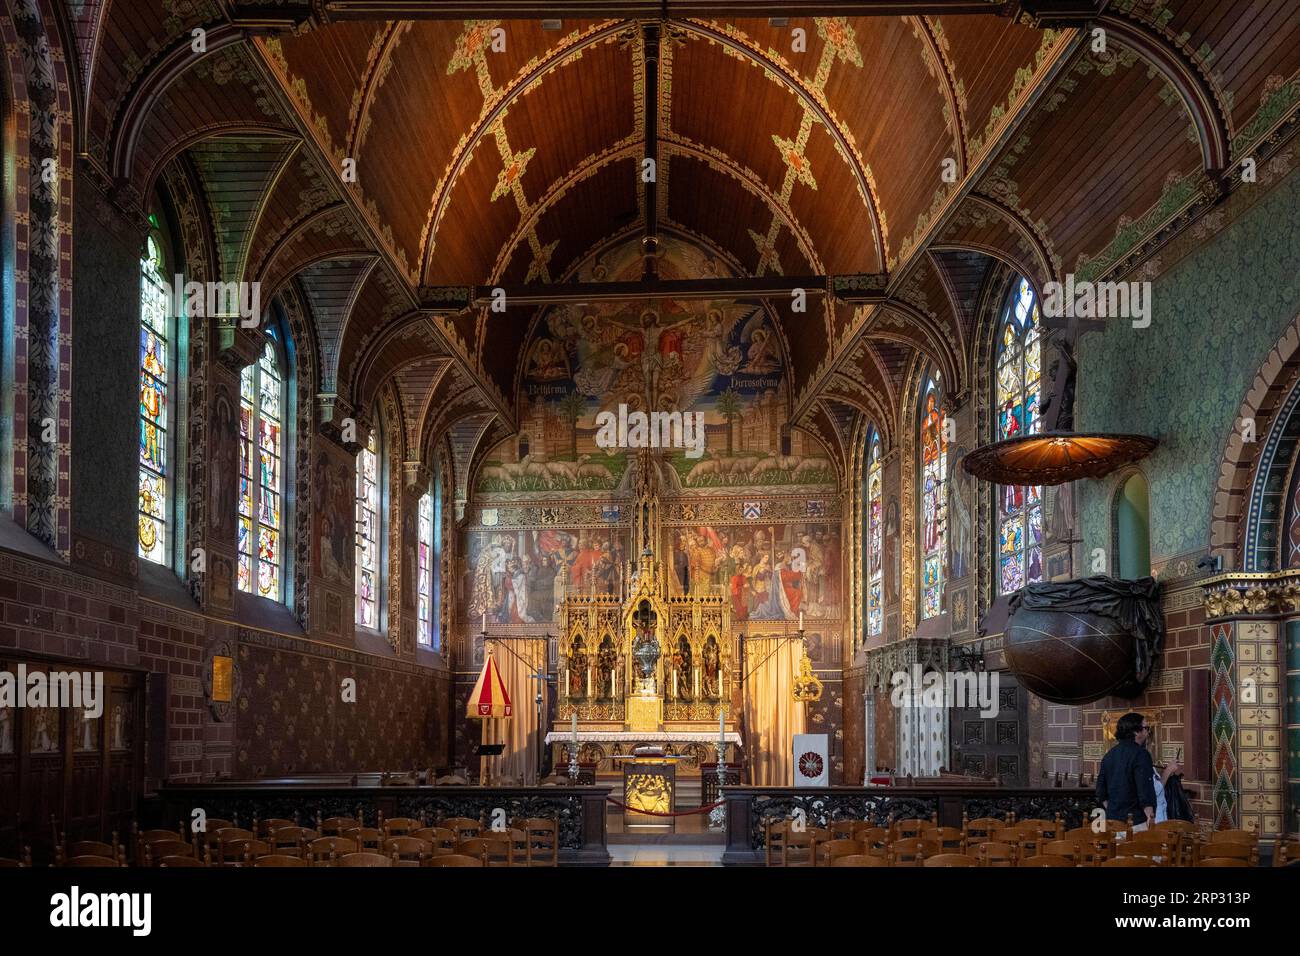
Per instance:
(1215,316)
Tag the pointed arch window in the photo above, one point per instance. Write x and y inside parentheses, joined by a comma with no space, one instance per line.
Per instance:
(261,475)
(425,629)
(1018,385)
(156,326)
(368,532)
(934,497)
(874,516)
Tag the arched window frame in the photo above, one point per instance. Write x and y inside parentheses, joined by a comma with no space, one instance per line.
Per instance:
(155,498)
(1017,392)
(932,495)
(873,537)
(425,550)
(265,418)
(369,530)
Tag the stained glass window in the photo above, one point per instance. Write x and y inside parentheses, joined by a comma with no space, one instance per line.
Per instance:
(426,570)
(436,570)
(368,532)
(1020,507)
(261,477)
(154,383)
(875,514)
(934,502)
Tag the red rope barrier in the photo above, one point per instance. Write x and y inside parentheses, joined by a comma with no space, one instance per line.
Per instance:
(677,813)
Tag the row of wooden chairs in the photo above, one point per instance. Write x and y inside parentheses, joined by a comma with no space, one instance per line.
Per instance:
(1170,843)
(528,842)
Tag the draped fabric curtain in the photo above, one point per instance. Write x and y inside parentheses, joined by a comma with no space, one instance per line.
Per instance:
(772,715)
(519,731)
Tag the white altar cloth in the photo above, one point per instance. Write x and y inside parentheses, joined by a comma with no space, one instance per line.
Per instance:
(628,737)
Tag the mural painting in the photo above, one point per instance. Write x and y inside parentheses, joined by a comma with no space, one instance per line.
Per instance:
(517,577)
(771,572)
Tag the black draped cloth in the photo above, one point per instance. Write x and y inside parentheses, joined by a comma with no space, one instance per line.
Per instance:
(1135,605)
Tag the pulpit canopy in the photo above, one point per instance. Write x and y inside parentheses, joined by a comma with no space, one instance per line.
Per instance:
(489,697)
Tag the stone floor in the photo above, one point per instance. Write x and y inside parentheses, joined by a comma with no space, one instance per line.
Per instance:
(641,854)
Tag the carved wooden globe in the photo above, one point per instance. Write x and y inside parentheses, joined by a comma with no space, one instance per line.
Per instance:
(1077,641)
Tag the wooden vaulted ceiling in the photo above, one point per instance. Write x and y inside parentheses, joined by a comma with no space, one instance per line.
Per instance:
(477,167)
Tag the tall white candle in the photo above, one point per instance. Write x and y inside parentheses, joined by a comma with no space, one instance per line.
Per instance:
(485,620)
(575,727)
(697,681)
(674,683)
(588,681)
(801,620)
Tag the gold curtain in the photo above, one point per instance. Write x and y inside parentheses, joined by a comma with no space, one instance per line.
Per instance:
(772,715)
(519,732)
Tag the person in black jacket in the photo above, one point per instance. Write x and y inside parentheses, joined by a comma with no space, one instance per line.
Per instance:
(1125,783)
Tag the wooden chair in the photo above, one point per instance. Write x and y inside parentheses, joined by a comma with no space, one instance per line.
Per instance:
(801,846)
(493,852)
(996,854)
(863,859)
(280,859)
(979,829)
(1047,859)
(911,827)
(23,861)
(334,826)
(1099,846)
(832,850)
(441,839)
(226,834)
(1249,837)
(463,827)
(369,839)
(1224,850)
(112,851)
(843,829)
(364,859)
(290,841)
(154,852)
(408,851)
(141,839)
(1223,861)
(1161,847)
(325,850)
(1285,852)
(950,859)
(400,826)
(774,834)
(1065,849)
(180,861)
(88,860)
(240,852)
(454,859)
(1047,829)
(911,851)
(543,841)
(951,839)
(875,839)
(1187,834)
(207,837)
(1128,861)
(265,828)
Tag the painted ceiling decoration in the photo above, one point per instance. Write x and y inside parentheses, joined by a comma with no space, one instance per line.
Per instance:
(890,169)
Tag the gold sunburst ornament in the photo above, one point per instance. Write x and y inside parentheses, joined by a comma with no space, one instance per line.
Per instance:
(806,685)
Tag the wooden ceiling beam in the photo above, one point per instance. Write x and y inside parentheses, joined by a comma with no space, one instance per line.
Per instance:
(650,176)
(869,287)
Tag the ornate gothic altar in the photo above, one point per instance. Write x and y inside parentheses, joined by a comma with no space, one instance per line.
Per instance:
(645,665)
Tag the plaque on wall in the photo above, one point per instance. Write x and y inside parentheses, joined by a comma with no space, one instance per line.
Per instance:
(223,681)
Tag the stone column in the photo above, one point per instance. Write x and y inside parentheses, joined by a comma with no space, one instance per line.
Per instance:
(1247,613)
